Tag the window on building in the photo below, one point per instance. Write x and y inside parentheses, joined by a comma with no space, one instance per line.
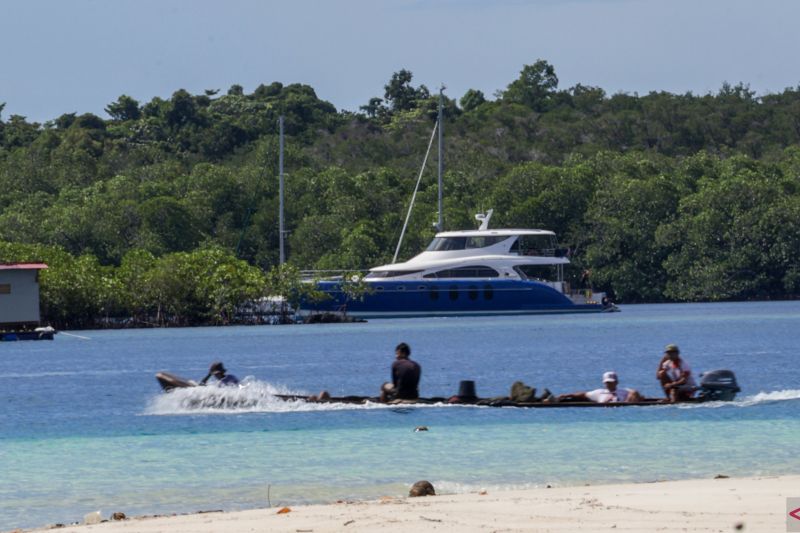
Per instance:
(5,288)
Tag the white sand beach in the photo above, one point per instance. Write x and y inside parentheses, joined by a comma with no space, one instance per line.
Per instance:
(707,505)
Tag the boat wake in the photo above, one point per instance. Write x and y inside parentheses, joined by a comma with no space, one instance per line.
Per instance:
(252,396)
(749,401)
(255,396)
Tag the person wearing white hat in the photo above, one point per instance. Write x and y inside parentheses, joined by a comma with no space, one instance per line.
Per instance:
(610,393)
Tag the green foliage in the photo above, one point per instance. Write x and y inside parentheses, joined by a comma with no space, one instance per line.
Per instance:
(204,286)
(285,281)
(354,287)
(472,99)
(535,86)
(167,212)
(125,108)
(401,95)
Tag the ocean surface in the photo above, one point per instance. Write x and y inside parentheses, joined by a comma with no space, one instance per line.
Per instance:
(84,427)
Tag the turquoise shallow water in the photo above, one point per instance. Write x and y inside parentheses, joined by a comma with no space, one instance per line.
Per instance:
(83,427)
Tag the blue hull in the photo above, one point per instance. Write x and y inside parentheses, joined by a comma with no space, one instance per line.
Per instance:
(390,299)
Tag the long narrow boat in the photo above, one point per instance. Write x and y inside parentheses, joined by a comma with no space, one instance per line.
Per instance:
(716,385)
(481,402)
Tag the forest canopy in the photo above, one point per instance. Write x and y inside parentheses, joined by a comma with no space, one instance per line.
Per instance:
(664,197)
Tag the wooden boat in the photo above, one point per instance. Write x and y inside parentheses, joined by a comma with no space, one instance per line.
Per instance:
(718,385)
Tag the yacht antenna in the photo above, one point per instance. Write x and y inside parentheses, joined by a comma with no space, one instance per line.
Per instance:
(414,195)
(280,193)
(484,219)
(440,223)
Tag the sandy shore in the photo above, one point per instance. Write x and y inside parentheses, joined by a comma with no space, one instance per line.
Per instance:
(712,505)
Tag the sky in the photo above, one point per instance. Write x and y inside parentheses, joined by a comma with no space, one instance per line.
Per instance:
(63,56)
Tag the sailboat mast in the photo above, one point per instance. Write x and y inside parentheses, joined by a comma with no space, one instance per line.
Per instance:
(280,193)
(440,223)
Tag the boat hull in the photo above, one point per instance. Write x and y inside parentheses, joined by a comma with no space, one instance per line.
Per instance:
(394,299)
(26,336)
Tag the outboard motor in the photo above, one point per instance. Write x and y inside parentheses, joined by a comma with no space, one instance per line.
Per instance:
(718,386)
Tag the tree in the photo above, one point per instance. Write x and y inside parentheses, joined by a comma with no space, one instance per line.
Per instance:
(285,282)
(401,95)
(182,109)
(125,108)
(472,99)
(735,237)
(168,225)
(354,288)
(374,107)
(65,121)
(535,86)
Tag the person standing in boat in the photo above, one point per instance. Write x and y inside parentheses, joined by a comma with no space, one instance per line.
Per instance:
(610,393)
(217,370)
(405,377)
(675,375)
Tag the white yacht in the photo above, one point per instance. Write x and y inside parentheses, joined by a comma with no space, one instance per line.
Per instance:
(474,272)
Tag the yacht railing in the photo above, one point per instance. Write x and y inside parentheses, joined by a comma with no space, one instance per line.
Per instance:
(545,252)
(311,275)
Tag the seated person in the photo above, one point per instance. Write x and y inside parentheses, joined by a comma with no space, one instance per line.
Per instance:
(609,394)
(675,375)
(322,397)
(217,369)
(405,377)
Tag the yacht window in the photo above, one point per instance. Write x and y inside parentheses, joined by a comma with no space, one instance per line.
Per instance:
(434,294)
(537,245)
(446,244)
(484,241)
(540,272)
(454,292)
(390,273)
(473,292)
(488,292)
(465,272)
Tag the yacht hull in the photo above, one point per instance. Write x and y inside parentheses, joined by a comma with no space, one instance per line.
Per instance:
(413,298)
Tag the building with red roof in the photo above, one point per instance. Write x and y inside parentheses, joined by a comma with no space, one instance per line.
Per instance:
(19,295)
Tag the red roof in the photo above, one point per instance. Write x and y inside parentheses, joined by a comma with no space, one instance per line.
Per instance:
(22,266)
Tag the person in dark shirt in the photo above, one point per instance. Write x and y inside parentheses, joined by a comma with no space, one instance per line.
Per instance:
(405,377)
(217,369)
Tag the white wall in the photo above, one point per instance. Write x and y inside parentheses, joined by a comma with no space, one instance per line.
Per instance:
(22,305)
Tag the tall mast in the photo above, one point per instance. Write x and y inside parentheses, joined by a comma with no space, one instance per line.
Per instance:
(280,193)
(440,223)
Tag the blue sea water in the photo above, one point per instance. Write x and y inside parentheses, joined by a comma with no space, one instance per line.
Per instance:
(83,426)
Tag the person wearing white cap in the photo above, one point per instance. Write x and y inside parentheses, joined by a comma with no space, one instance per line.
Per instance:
(611,393)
